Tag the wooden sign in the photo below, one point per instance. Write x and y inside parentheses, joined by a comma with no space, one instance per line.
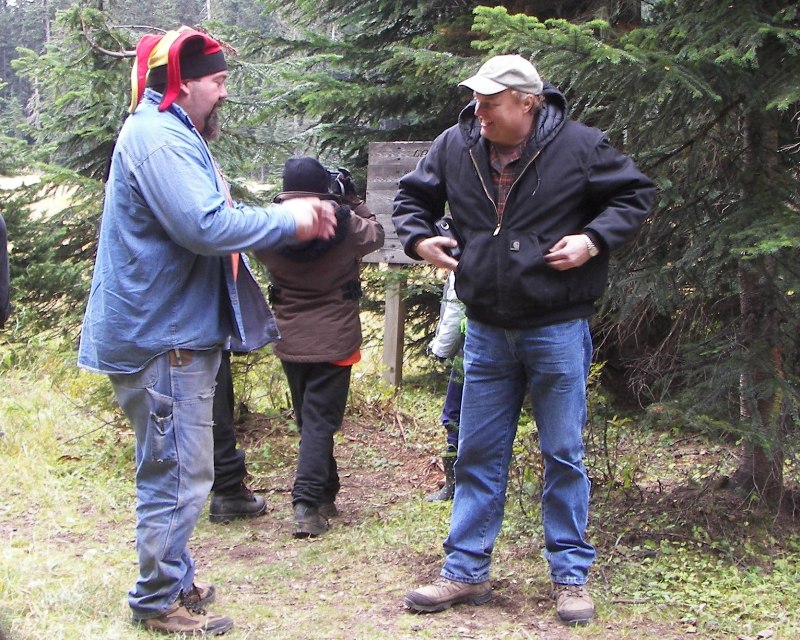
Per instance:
(388,162)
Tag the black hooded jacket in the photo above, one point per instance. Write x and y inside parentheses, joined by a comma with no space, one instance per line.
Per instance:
(5,305)
(569,180)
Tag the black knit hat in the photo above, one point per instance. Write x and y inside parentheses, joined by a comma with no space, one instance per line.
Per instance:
(306,176)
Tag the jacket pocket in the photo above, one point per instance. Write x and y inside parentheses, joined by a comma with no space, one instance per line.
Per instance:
(508,274)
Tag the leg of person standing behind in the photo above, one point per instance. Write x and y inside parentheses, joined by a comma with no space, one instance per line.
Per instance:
(232,498)
(450,418)
(447,342)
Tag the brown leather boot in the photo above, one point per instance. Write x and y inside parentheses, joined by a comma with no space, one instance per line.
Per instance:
(444,593)
(573,603)
(180,619)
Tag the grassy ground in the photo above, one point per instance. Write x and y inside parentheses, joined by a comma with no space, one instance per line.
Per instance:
(675,559)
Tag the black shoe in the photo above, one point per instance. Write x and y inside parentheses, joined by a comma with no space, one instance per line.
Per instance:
(308,523)
(328,510)
(239,503)
(449,489)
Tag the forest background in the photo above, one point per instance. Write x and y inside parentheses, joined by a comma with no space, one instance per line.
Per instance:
(696,339)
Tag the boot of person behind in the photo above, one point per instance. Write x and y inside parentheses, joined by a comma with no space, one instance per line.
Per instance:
(449,488)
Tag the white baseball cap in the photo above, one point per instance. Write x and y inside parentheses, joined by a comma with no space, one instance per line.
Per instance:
(505,72)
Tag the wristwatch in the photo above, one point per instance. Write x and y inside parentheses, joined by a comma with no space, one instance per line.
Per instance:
(590,246)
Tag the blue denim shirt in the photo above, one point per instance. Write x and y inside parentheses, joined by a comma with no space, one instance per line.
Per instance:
(163,277)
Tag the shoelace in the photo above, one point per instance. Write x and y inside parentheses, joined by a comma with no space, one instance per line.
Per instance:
(568,590)
(447,585)
(194,608)
(192,604)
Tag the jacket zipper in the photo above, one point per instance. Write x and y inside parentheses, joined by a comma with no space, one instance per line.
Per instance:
(486,191)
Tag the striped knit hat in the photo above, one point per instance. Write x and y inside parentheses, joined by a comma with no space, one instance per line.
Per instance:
(166,60)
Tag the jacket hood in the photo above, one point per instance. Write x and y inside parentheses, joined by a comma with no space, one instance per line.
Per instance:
(314,249)
(549,122)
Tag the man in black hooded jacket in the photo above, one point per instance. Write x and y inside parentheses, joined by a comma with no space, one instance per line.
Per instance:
(5,304)
(539,201)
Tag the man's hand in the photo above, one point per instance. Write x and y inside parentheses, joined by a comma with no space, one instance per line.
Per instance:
(568,253)
(434,250)
(314,218)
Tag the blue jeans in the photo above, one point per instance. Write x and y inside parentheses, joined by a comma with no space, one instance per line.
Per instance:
(170,409)
(500,365)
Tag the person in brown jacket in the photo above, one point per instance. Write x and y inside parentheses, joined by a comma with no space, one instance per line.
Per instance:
(314,293)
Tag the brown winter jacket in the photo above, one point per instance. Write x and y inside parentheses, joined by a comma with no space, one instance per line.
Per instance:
(315,289)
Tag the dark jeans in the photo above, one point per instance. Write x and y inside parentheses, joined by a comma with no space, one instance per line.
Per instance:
(319,395)
(451,412)
(229,466)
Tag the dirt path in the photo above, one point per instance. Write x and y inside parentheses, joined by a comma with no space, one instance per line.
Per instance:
(362,595)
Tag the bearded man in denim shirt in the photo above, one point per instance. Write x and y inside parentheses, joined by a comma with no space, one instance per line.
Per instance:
(171,291)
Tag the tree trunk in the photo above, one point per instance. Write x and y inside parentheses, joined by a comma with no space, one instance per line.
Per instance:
(761,462)
(762,457)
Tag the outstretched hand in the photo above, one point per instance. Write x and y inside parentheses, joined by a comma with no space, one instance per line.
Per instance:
(314,218)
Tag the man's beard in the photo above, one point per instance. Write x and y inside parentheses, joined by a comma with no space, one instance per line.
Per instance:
(212,130)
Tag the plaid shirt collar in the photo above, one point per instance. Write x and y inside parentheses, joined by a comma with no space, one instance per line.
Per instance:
(504,170)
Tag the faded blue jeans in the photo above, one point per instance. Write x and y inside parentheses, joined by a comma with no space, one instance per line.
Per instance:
(500,365)
(170,407)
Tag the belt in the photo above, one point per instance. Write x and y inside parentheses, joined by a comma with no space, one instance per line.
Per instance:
(179,357)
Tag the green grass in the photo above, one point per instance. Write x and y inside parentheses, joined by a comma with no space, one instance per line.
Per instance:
(672,563)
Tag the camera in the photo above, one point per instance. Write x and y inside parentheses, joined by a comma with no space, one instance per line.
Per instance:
(342,184)
(446,228)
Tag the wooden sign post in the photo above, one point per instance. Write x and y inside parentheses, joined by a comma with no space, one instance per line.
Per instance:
(388,162)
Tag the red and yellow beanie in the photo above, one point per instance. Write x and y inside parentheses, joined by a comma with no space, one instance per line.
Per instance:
(165,60)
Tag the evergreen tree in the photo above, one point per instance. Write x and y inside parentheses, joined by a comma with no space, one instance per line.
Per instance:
(356,72)
(705,96)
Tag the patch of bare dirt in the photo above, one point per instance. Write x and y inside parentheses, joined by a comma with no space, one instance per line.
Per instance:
(367,489)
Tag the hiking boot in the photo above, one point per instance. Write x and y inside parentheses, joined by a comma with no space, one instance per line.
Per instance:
(200,595)
(328,510)
(180,619)
(308,523)
(573,603)
(449,489)
(444,593)
(239,503)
